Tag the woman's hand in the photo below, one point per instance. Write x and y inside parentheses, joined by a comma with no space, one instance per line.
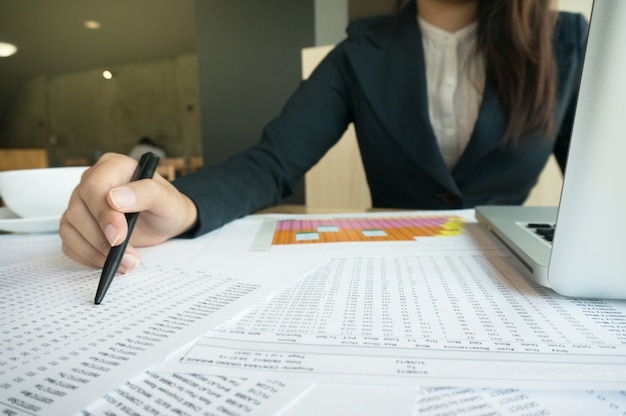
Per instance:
(94,220)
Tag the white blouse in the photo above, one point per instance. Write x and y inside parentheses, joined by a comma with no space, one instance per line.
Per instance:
(455,75)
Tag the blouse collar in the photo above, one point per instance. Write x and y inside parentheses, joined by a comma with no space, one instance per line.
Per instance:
(438,35)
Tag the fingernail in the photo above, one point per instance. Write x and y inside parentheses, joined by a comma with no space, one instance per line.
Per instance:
(129,262)
(112,235)
(123,197)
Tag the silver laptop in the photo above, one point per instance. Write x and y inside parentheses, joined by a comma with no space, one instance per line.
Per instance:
(587,254)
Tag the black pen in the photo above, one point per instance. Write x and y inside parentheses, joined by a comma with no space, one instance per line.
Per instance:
(145,170)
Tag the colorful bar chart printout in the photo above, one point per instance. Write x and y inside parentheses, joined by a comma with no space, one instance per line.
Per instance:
(337,230)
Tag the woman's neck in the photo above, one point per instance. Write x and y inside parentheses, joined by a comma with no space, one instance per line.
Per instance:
(449,15)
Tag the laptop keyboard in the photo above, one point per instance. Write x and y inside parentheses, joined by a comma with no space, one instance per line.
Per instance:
(543,230)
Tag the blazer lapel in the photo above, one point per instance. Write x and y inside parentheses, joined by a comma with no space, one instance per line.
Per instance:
(488,131)
(393,78)
(492,120)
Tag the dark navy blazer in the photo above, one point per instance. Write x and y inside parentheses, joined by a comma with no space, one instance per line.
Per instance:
(376,79)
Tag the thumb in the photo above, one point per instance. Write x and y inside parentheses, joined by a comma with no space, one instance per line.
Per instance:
(165,211)
(137,196)
(123,199)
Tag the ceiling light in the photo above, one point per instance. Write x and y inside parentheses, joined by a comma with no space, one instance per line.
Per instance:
(92,24)
(7,49)
(107,74)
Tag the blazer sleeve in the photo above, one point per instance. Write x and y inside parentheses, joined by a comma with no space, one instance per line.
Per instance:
(313,119)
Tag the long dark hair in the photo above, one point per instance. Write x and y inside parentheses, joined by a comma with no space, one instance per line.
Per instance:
(515,37)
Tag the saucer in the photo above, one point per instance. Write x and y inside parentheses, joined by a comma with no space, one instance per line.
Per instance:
(12,223)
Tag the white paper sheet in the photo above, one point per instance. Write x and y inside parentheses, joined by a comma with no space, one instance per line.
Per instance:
(513,402)
(154,393)
(60,351)
(341,400)
(436,319)
(250,240)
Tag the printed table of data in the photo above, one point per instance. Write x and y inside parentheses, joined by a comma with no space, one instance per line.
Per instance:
(443,320)
(59,349)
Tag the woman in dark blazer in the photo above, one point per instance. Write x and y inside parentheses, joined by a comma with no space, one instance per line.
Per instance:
(377,80)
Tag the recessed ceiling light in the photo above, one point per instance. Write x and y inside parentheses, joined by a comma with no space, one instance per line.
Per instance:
(7,49)
(92,24)
(107,74)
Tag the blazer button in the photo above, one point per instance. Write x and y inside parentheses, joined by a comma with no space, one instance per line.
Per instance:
(450,199)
